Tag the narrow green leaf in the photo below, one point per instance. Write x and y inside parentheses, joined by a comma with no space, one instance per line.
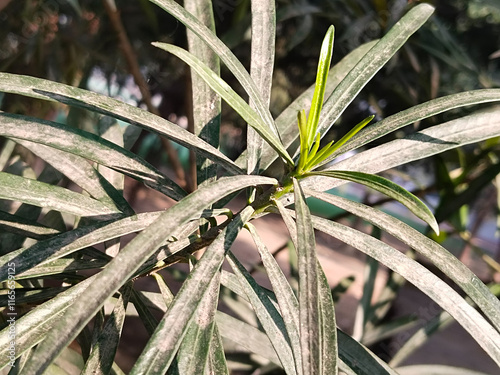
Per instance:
(388,188)
(49,90)
(364,307)
(130,258)
(40,194)
(439,256)
(304,151)
(261,69)
(318,341)
(89,146)
(63,265)
(485,335)
(325,59)
(425,143)
(160,350)
(33,258)
(268,316)
(226,56)
(415,114)
(331,150)
(230,96)
(104,350)
(438,323)
(148,319)
(78,170)
(246,336)
(354,354)
(371,63)
(25,295)
(206,118)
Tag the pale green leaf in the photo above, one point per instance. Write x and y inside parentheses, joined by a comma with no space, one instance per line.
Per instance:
(388,188)
(230,96)
(40,194)
(49,90)
(371,63)
(104,350)
(261,69)
(160,350)
(434,140)
(439,256)
(206,118)
(415,114)
(78,170)
(485,335)
(194,351)
(288,304)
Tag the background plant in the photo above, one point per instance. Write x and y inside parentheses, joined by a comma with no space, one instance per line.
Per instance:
(297,333)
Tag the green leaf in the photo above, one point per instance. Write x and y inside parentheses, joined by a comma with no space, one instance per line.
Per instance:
(439,256)
(63,265)
(288,304)
(438,323)
(268,315)
(49,90)
(261,69)
(415,114)
(331,148)
(230,96)
(27,228)
(371,63)
(33,327)
(325,59)
(246,336)
(316,311)
(388,188)
(78,170)
(88,146)
(360,359)
(425,143)
(485,335)
(436,370)
(160,350)
(364,307)
(104,350)
(40,194)
(130,258)
(217,359)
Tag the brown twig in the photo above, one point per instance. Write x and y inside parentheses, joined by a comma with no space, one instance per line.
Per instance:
(134,69)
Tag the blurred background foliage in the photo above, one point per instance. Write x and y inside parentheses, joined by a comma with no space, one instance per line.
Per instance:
(73,41)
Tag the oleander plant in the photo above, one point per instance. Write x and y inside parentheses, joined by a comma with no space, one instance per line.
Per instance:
(65,274)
